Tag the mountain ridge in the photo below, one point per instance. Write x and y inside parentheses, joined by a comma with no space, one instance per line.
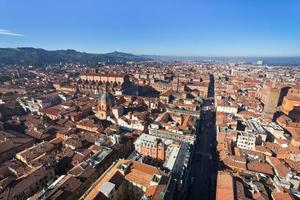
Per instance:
(40,56)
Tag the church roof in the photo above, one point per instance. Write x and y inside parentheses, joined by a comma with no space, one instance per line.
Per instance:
(107,97)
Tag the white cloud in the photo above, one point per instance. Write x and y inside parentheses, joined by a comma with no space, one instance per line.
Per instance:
(8,32)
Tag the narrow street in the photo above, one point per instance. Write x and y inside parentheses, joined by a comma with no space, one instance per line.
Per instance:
(204,164)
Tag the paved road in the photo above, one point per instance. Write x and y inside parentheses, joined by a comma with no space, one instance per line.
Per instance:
(204,164)
(176,173)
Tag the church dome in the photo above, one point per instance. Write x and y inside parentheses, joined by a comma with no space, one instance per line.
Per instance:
(106,97)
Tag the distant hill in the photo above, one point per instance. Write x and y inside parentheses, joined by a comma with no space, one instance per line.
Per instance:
(36,56)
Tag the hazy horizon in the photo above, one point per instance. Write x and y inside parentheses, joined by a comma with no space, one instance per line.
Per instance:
(156,55)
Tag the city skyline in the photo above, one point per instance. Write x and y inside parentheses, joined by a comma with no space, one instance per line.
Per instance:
(149,100)
(171,28)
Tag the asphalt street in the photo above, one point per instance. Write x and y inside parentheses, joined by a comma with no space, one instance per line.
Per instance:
(204,162)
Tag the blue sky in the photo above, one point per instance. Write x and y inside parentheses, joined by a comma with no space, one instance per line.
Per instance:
(157,27)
